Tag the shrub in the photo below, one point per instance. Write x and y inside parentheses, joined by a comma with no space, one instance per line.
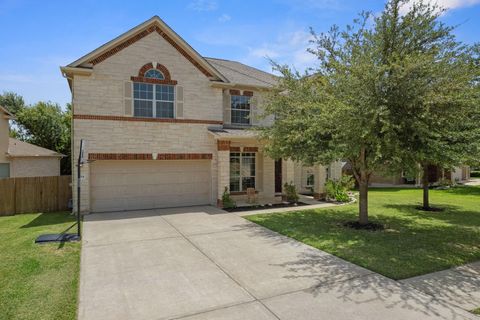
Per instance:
(475,174)
(337,190)
(445,183)
(227,200)
(290,192)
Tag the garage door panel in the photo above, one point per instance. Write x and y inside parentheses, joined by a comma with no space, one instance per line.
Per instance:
(130,185)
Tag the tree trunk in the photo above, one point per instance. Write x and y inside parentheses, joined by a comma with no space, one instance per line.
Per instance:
(426,202)
(363,200)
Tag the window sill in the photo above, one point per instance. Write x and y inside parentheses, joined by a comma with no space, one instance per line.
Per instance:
(240,193)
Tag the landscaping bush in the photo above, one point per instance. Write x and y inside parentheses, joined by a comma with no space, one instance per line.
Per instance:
(338,190)
(227,200)
(445,183)
(290,192)
(475,174)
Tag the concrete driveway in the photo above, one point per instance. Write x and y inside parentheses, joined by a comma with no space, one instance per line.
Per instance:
(203,263)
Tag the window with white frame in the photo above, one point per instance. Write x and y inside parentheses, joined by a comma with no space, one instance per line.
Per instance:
(240,110)
(153,100)
(242,171)
(308,177)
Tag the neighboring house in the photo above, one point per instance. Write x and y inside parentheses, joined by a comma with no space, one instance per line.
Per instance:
(167,127)
(435,175)
(21,159)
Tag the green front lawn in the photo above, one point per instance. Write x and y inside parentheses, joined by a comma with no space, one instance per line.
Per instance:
(476,311)
(413,243)
(37,281)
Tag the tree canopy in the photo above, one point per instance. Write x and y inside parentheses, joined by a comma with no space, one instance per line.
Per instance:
(377,82)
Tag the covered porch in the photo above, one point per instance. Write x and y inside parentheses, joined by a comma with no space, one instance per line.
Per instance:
(243,165)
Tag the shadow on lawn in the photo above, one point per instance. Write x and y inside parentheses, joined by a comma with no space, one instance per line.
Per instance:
(48,219)
(455,215)
(326,275)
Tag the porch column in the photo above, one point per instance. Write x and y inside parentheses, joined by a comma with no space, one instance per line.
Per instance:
(268,176)
(288,172)
(336,170)
(223,167)
(320,180)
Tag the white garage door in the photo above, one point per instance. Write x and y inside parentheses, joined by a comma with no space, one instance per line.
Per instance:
(129,185)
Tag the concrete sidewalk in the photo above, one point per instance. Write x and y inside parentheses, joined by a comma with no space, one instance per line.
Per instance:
(458,286)
(203,263)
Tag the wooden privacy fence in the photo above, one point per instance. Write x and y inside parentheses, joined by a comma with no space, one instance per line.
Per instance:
(35,194)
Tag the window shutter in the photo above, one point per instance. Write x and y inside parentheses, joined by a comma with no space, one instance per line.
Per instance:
(226,107)
(254,109)
(259,172)
(128,97)
(179,101)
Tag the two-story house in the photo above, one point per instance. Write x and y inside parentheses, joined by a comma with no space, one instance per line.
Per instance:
(165,126)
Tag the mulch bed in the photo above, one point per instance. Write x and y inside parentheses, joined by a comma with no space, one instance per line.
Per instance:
(371,226)
(261,207)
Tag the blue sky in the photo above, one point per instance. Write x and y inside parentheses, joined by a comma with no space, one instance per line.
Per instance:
(39,36)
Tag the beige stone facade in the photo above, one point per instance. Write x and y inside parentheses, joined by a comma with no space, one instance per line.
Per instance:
(101,84)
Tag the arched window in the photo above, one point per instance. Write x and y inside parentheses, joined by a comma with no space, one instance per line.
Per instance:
(154,74)
(153,92)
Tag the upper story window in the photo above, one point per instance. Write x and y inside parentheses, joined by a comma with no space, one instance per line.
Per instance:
(240,109)
(153,92)
(153,100)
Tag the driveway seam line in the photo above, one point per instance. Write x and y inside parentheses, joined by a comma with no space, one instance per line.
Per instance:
(221,269)
(130,241)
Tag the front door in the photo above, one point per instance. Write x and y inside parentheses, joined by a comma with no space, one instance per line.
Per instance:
(278,176)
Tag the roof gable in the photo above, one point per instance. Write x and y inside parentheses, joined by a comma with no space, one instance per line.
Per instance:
(155,24)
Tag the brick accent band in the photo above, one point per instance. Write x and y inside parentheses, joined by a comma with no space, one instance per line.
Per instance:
(151,80)
(223,145)
(152,28)
(234,92)
(248,93)
(235,149)
(250,149)
(123,118)
(148,156)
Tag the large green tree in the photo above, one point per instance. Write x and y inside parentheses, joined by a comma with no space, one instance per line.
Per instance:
(432,91)
(353,106)
(12,101)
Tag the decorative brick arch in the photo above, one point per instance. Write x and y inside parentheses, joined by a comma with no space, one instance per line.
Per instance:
(160,67)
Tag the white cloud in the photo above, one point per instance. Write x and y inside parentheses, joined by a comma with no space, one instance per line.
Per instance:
(446,4)
(224,18)
(203,5)
(289,48)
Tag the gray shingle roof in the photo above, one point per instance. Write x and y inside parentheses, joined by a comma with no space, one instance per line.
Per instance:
(242,74)
(17,148)
(232,133)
